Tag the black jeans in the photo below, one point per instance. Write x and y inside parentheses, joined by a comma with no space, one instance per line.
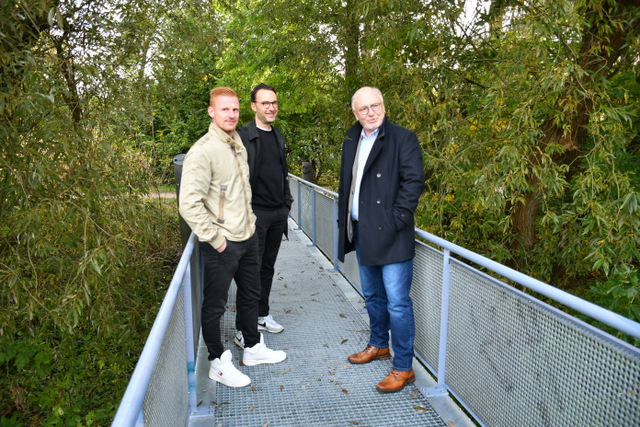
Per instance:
(239,261)
(270,227)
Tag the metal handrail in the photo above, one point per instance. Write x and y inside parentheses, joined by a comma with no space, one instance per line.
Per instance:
(594,311)
(130,409)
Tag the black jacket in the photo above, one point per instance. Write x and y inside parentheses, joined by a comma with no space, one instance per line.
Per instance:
(392,182)
(251,140)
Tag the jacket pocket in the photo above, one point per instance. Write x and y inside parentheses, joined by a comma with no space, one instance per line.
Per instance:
(221,203)
(402,218)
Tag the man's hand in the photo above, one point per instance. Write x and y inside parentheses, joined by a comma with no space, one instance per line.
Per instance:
(222,247)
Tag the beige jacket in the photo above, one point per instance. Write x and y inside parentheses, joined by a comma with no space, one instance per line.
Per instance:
(215,194)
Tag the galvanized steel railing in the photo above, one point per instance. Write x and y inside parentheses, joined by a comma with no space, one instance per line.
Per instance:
(509,358)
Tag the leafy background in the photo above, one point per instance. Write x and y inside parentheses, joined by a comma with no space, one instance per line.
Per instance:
(527,112)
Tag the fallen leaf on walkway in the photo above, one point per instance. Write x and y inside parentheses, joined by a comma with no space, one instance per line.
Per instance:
(344,340)
(251,408)
(253,388)
(420,408)
(345,391)
(285,371)
(281,387)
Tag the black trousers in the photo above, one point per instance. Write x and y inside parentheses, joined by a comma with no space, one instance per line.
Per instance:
(270,227)
(239,261)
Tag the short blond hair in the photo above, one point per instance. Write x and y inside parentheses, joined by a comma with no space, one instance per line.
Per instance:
(220,91)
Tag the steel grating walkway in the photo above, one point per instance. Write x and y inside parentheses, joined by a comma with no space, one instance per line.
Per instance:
(316,385)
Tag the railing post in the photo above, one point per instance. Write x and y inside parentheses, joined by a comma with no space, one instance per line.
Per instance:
(299,201)
(336,266)
(441,389)
(188,330)
(313,219)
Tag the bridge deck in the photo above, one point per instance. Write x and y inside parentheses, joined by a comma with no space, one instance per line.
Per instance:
(324,322)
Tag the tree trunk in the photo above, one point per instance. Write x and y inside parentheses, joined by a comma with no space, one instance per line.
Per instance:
(604,38)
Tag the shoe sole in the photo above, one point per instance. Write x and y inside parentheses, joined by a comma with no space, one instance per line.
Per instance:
(261,362)
(409,381)
(219,380)
(273,331)
(385,357)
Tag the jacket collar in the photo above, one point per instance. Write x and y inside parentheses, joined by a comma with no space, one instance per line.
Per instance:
(354,131)
(223,136)
(253,130)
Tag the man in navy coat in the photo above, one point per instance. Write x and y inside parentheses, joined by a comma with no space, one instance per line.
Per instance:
(381,180)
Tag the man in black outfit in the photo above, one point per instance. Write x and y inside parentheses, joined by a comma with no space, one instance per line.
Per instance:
(271,200)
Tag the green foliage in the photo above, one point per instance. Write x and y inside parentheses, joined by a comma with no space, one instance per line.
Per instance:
(84,254)
(528,115)
(291,45)
(182,74)
(620,293)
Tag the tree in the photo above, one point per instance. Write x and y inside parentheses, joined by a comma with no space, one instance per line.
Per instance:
(75,228)
(543,158)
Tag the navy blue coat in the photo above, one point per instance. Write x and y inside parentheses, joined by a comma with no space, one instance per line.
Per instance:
(392,182)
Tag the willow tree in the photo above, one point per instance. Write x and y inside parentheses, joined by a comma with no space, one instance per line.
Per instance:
(81,250)
(527,112)
(311,52)
(538,166)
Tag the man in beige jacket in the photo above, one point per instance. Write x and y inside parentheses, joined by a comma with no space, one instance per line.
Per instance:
(215,201)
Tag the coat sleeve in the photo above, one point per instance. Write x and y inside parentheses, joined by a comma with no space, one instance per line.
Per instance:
(195,186)
(411,171)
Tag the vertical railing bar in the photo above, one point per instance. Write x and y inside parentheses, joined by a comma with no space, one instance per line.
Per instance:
(444,318)
(313,219)
(440,389)
(299,201)
(188,330)
(336,266)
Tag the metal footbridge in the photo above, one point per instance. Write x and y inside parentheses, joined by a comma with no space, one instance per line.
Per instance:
(486,353)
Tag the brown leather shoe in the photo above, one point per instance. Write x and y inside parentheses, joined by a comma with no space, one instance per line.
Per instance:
(370,353)
(395,381)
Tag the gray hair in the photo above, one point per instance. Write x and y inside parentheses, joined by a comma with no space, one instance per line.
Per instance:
(375,89)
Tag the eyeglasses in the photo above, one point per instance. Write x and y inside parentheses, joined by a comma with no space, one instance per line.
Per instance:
(267,104)
(365,110)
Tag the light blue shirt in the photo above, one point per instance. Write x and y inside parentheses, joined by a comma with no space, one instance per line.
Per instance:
(366,144)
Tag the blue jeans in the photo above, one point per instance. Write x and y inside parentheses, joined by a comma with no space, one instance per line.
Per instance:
(386,291)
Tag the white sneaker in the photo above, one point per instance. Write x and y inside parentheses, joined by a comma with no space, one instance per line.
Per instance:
(259,354)
(238,340)
(267,323)
(223,371)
